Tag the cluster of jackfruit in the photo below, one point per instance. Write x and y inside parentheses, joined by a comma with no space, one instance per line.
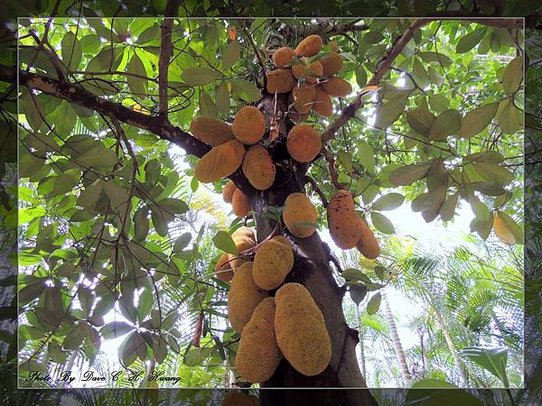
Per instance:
(308,77)
(347,229)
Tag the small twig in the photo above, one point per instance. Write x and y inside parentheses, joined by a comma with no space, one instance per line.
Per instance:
(316,189)
(255,48)
(407,73)
(332,170)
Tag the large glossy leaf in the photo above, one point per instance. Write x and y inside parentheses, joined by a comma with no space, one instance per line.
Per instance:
(71,50)
(199,76)
(475,121)
(513,75)
(491,359)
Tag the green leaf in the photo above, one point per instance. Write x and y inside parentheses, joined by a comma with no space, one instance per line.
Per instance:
(246,90)
(145,303)
(510,118)
(439,102)
(390,111)
(182,242)
(494,173)
(222,99)
(159,222)
(366,156)
(447,209)
(127,349)
(151,36)
(141,223)
(352,274)
(406,175)
(224,242)
(97,157)
(231,54)
(47,318)
(434,392)
(512,227)
(31,109)
(29,164)
(469,41)
(389,202)
(419,74)
(475,121)
(491,359)
(199,76)
(65,182)
(435,57)
(173,206)
(358,293)
(71,51)
(513,75)
(108,59)
(420,120)
(382,223)
(138,86)
(207,107)
(374,303)
(74,338)
(446,124)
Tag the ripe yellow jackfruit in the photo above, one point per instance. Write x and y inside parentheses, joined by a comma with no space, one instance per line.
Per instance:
(303,143)
(299,215)
(219,162)
(310,46)
(240,203)
(235,398)
(211,131)
(243,239)
(309,72)
(368,244)
(258,354)
(244,296)
(227,191)
(303,97)
(301,330)
(280,81)
(272,262)
(322,103)
(337,87)
(249,125)
(331,64)
(258,167)
(344,223)
(283,56)
(223,269)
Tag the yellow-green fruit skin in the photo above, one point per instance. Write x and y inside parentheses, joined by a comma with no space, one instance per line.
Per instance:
(227,191)
(299,215)
(259,168)
(280,81)
(344,224)
(309,46)
(283,56)
(331,64)
(303,143)
(249,125)
(368,244)
(258,354)
(337,87)
(301,330)
(211,131)
(244,296)
(240,203)
(219,162)
(272,263)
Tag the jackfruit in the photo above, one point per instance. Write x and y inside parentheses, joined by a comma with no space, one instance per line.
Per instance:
(331,64)
(297,117)
(301,330)
(299,215)
(308,72)
(249,125)
(337,87)
(274,259)
(258,354)
(227,191)
(280,81)
(223,270)
(235,398)
(243,239)
(211,131)
(368,244)
(244,296)
(344,224)
(303,97)
(310,46)
(240,203)
(283,56)
(258,167)
(219,162)
(322,104)
(303,143)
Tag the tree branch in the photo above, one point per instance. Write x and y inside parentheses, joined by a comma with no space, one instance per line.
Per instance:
(165,56)
(78,95)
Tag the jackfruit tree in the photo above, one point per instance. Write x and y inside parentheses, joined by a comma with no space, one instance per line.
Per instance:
(301,126)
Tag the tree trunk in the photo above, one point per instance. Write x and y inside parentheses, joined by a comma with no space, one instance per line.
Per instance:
(311,269)
(397,346)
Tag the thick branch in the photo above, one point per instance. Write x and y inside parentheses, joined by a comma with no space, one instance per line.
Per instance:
(78,95)
(165,55)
